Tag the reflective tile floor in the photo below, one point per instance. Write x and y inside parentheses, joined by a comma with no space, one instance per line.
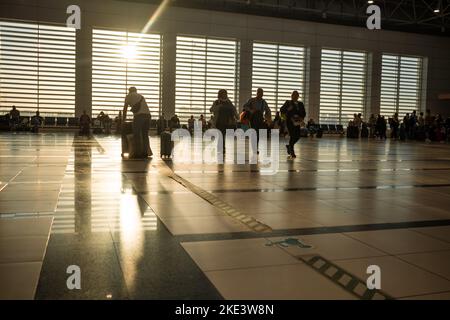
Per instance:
(163,230)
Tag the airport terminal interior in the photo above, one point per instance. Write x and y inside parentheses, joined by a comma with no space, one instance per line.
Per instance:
(357,209)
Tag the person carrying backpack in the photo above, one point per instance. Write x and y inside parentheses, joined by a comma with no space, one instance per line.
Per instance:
(225,114)
(295,113)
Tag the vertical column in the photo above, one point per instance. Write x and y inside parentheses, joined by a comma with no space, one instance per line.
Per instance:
(373,84)
(245,72)
(312,79)
(169,48)
(83,69)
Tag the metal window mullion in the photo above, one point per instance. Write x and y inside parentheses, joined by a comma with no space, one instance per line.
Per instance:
(399,68)
(340,86)
(277,78)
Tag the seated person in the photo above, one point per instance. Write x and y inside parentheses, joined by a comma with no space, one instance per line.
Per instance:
(36,122)
(85,124)
(105,122)
(311,126)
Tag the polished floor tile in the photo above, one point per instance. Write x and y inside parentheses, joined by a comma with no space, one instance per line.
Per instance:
(19,280)
(441,233)
(25,227)
(333,246)
(399,241)
(203,225)
(138,233)
(287,282)
(436,262)
(236,254)
(398,278)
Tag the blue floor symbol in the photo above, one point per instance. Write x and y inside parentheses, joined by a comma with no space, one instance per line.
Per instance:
(289,242)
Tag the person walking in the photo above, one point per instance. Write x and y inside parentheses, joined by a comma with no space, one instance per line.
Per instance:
(225,114)
(295,113)
(258,110)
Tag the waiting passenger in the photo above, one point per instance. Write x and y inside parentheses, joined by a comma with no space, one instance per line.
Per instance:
(161,125)
(14,118)
(395,124)
(191,123)
(105,122)
(118,121)
(174,123)
(295,114)
(141,122)
(36,122)
(85,124)
(202,120)
(311,126)
(381,127)
(372,126)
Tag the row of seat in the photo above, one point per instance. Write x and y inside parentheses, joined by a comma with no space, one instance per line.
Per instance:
(330,128)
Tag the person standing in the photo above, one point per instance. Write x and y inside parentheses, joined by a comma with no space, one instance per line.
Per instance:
(85,124)
(395,124)
(295,114)
(141,122)
(14,118)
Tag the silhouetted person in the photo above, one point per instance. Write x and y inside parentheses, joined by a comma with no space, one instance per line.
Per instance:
(395,124)
(161,125)
(191,123)
(295,113)
(258,110)
(225,113)
(118,121)
(85,124)
(174,122)
(36,122)
(14,118)
(141,122)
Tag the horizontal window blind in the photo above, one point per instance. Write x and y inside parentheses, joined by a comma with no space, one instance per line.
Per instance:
(203,66)
(121,60)
(401,81)
(37,68)
(342,85)
(278,70)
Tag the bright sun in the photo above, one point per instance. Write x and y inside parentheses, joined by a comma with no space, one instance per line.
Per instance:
(129,52)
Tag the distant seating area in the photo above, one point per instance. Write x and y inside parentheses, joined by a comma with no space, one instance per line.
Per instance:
(336,129)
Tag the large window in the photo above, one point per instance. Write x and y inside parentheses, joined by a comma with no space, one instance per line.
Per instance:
(37,68)
(203,66)
(401,80)
(342,85)
(279,70)
(121,60)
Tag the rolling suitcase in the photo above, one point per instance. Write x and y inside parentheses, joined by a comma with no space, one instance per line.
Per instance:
(127,130)
(166,144)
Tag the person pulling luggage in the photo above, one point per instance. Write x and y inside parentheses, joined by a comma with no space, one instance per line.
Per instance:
(141,123)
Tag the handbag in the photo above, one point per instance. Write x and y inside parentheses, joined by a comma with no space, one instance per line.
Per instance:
(137,106)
